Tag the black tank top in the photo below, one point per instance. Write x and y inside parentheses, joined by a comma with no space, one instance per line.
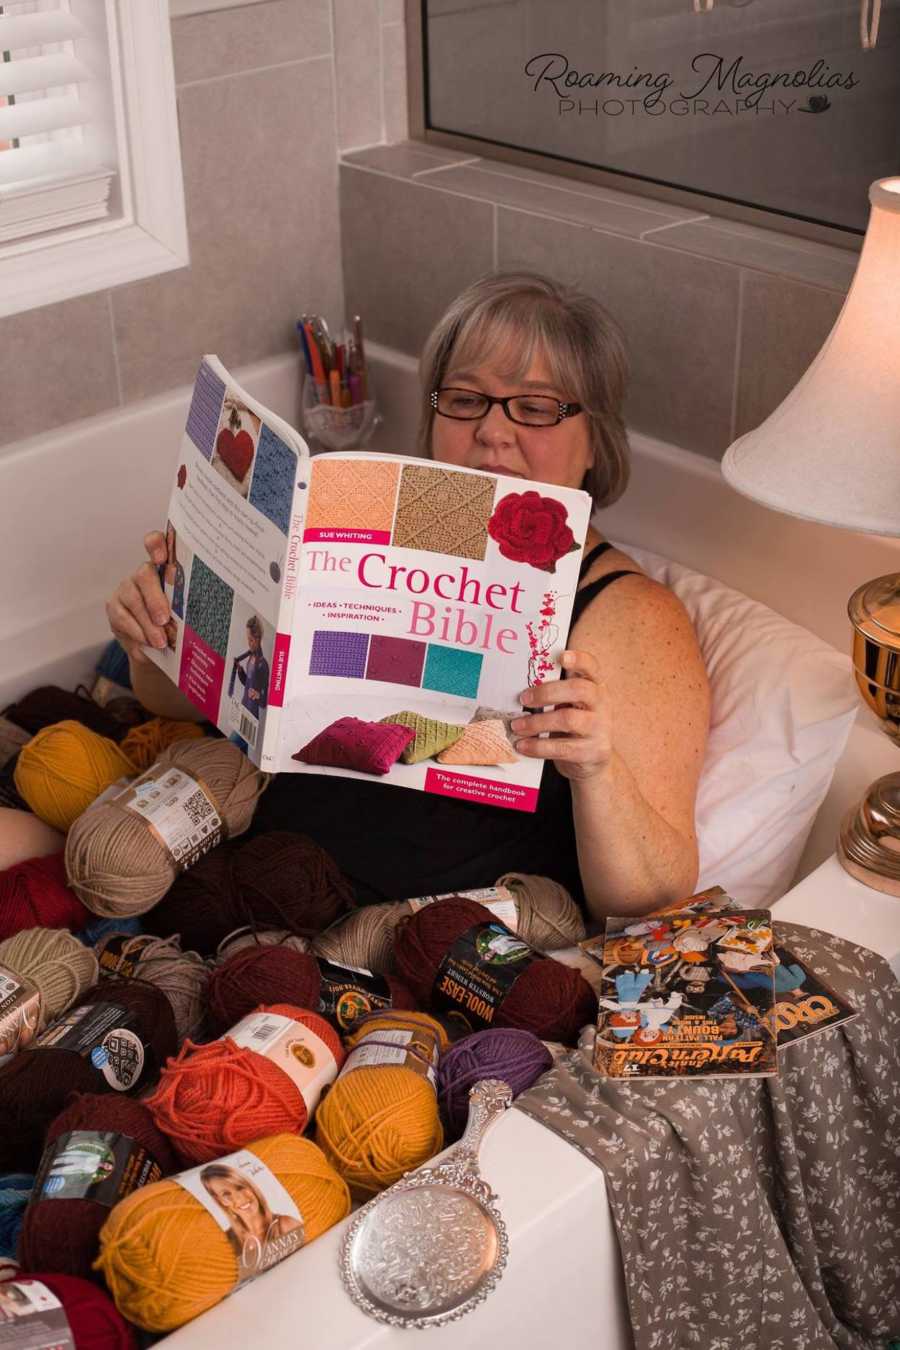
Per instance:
(393,843)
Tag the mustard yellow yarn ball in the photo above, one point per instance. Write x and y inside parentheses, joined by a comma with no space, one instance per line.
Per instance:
(64,768)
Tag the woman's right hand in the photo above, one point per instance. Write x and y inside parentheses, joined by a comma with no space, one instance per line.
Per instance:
(138,607)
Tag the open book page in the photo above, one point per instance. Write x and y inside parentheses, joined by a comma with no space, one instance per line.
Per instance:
(429,597)
(231,516)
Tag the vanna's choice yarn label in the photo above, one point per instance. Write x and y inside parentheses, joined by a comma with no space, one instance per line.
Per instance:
(120,953)
(180,812)
(104,1033)
(296,1050)
(250,1205)
(31,1318)
(404,1048)
(498,899)
(99,1165)
(478,971)
(20,1013)
(348,993)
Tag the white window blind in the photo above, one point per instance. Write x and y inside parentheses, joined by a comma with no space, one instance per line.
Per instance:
(57,133)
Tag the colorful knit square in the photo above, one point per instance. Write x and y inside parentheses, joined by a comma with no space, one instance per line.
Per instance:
(431,737)
(272,488)
(349,743)
(341,654)
(444,511)
(206,405)
(482,742)
(209,606)
(395,660)
(449,670)
(349,494)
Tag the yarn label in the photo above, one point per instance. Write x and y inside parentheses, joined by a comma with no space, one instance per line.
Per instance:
(296,1050)
(498,899)
(120,953)
(31,1318)
(250,1205)
(99,1165)
(104,1033)
(180,812)
(20,1013)
(402,1047)
(478,971)
(348,993)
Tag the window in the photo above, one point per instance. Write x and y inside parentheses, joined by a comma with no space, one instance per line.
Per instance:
(90,170)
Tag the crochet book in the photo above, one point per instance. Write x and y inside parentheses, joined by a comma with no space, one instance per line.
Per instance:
(362,614)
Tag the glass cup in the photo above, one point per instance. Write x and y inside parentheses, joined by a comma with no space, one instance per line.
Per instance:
(338,428)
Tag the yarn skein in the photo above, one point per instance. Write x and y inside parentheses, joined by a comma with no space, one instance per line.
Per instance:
(548,998)
(64,768)
(378,1121)
(63,1232)
(164,1257)
(15,1188)
(55,962)
(115,860)
(35,1085)
(94,1320)
(94,932)
(218,1097)
(181,976)
(516,1056)
(278,879)
(547,918)
(144,743)
(245,937)
(49,704)
(34,894)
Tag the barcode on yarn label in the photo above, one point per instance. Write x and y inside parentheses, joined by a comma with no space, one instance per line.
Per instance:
(498,899)
(248,728)
(180,812)
(31,1318)
(294,1048)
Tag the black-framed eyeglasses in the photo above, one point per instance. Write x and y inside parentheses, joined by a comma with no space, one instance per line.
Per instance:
(528,410)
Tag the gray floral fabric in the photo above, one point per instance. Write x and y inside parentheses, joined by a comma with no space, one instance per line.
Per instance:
(764,1213)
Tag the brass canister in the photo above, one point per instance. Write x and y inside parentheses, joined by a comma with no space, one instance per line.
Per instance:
(874,611)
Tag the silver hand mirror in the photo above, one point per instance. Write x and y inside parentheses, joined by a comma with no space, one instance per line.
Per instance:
(432,1247)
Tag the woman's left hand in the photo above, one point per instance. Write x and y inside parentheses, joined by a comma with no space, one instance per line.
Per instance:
(579,738)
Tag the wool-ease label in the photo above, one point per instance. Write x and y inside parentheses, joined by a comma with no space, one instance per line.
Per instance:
(417,1050)
(348,993)
(120,953)
(181,813)
(105,1034)
(498,899)
(99,1165)
(31,1318)
(20,1013)
(296,1049)
(250,1205)
(478,972)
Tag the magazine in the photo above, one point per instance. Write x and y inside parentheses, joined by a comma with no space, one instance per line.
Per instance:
(365,615)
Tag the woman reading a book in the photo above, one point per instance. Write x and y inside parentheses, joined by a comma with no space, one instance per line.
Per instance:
(523,377)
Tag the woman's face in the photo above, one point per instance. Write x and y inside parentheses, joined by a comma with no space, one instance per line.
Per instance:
(559,454)
(253,642)
(236,1198)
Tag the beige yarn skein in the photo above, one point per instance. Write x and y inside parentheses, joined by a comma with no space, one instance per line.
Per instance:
(260,937)
(181,976)
(116,864)
(59,965)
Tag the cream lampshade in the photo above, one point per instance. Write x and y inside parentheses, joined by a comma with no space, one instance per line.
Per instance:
(831,453)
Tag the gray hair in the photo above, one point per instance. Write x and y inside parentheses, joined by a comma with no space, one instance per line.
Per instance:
(512,317)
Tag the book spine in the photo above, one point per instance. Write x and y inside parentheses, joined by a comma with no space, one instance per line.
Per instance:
(270,753)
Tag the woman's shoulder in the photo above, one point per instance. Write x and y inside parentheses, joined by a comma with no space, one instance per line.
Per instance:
(634,610)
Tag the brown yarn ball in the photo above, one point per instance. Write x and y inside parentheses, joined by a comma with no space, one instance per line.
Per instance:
(548,998)
(115,862)
(62,1233)
(245,937)
(36,1084)
(261,975)
(48,704)
(279,879)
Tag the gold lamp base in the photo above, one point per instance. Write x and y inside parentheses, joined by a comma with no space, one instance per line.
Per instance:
(869,839)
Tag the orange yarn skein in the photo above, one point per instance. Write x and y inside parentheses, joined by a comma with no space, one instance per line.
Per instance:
(64,768)
(212,1099)
(164,1257)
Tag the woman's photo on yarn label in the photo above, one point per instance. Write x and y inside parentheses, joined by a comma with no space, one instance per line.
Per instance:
(99,1165)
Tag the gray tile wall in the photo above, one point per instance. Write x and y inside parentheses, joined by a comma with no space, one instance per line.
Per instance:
(268,95)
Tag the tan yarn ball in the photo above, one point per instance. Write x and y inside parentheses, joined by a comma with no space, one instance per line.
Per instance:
(181,976)
(59,965)
(116,864)
(64,768)
(245,937)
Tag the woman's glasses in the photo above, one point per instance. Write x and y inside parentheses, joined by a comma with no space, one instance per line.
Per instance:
(528,410)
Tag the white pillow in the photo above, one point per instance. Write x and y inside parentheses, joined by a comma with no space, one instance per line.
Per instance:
(783,703)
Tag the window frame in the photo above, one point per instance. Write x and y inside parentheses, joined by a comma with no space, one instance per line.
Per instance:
(150,235)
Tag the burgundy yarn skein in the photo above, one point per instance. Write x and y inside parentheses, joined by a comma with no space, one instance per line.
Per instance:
(550,999)
(34,894)
(64,1234)
(49,704)
(94,1320)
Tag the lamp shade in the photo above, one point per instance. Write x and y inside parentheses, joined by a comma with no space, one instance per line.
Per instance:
(831,451)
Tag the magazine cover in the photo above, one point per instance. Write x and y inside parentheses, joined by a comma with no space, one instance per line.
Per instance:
(687,995)
(804,1003)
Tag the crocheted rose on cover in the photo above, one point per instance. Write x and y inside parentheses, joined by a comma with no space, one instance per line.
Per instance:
(350,743)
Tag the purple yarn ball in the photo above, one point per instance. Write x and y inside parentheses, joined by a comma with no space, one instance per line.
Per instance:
(518,1057)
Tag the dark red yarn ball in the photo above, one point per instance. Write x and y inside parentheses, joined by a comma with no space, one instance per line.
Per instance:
(274,974)
(48,704)
(276,880)
(36,1084)
(550,999)
(95,1321)
(34,894)
(64,1234)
